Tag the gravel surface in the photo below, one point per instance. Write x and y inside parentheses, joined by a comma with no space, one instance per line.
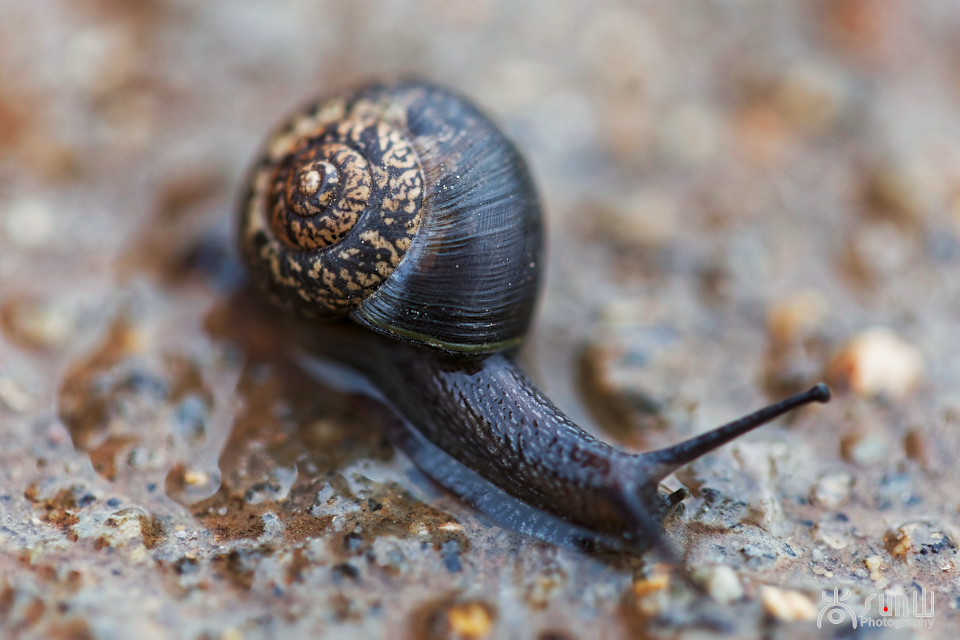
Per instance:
(742,198)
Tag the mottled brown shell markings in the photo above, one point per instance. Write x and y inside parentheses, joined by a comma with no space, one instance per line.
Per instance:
(333,207)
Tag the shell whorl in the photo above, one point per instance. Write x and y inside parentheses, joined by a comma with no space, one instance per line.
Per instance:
(333,209)
(404,207)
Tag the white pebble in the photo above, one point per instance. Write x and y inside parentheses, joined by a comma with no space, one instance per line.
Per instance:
(29,222)
(791,606)
(721,582)
(833,489)
(879,362)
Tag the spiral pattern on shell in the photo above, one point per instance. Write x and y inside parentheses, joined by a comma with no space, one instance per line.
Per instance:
(311,192)
(403,206)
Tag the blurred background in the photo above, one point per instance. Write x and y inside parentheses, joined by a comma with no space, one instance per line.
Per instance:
(741,197)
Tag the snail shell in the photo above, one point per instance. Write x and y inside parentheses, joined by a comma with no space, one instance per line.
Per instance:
(404,207)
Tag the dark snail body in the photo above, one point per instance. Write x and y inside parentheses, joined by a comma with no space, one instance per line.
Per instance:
(482,429)
(404,208)
(493,419)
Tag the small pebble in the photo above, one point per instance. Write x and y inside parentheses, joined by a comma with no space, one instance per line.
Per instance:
(646,218)
(691,133)
(796,315)
(196,478)
(904,189)
(787,605)
(898,543)
(29,222)
(656,581)
(721,582)
(471,620)
(874,564)
(920,538)
(917,446)
(812,95)
(128,522)
(878,362)
(832,490)
(13,396)
(275,488)
(544,589)
(126,529)
(865,449)
(652,596)
(834,534)
(763,134)
(37,324)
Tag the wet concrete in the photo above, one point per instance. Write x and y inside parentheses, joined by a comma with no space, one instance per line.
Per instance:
(741,199)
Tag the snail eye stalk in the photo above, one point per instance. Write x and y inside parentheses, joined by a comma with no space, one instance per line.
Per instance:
(678,455)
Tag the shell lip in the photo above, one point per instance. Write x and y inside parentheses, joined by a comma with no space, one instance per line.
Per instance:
(451,348)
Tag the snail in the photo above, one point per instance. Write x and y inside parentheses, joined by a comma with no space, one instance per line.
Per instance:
(402,207)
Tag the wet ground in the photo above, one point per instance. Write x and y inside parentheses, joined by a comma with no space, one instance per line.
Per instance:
(742,199)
